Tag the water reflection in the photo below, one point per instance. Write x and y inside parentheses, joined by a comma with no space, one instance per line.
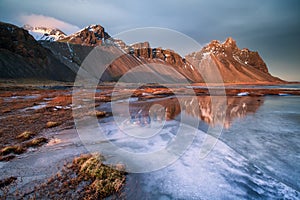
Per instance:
(201,107)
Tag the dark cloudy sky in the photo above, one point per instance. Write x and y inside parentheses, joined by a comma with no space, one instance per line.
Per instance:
(271,27)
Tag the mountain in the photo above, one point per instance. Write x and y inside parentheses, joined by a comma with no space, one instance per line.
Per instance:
(147,55)
(62,56)
(159,64)
(44,33)
(235,65)
(92,35)
(21,56)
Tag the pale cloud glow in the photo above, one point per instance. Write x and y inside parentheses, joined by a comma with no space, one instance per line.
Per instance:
(46,21)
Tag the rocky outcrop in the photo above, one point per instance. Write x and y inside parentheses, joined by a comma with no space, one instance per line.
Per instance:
(92,35)
(235,65)
(147,55)
(72,55)
(21,56)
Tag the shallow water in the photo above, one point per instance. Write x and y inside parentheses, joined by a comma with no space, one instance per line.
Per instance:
(280,86)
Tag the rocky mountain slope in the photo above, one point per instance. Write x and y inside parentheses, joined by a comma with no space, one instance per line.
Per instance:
(21,56)
(235,65)
(66,53)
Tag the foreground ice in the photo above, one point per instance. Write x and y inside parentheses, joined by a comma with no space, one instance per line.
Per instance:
(257,157)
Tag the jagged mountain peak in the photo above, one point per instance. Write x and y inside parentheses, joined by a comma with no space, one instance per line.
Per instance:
(91,35)
(45,33)
(25,55)
(94,28)
(217,47)
(141,45)
(235,65)
(229,42)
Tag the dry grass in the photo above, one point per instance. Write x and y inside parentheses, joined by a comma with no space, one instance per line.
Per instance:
(26,135)
(61,100)
(36,142)
(85,178)
(52,124)
(100,113)
(19,127)
(106,180)
(9,152)
(16,121)
(15,149)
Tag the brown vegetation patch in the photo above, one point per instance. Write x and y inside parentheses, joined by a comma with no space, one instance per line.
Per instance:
(15,149)
(26,135)
(52,124)
(8,153)
(36,142)
(100,113)
(85,178)
(7,158)
(19,124)
(61,100)
(7,181)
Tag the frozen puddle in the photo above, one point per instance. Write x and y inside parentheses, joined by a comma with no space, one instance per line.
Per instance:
(36,107)
(22,97)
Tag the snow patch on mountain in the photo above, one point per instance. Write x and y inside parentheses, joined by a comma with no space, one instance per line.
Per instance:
(44,33)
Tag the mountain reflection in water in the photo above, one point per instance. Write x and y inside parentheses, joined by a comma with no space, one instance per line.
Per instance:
(222,112)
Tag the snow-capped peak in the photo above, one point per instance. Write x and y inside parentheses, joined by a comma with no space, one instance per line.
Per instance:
(45,33)
(91,35)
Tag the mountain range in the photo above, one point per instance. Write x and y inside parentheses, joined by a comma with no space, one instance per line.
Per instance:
(45,53)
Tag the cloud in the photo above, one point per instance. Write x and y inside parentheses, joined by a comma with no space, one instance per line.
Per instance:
(46,21)
(270,27)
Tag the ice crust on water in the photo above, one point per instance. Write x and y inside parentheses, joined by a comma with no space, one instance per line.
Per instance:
(223,173)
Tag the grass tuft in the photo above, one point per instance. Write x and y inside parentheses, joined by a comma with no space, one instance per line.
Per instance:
(86,177)
(16,149)
(36,142)
(26,135)
(52,124)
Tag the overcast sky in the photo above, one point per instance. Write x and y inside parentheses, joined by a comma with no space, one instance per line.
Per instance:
(271,27)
